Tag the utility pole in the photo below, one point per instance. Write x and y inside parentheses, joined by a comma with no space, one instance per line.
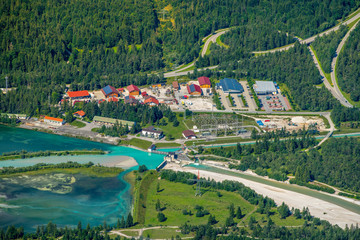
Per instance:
(163,11)
(6,78)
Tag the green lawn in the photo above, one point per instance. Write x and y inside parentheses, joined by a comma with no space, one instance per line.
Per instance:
(78,124)
(164,233)
(137,142)
(217,141)
(289,221)
(175,197)
(327,75)
(169,144)
(220,43)
(208,49)
(175,132)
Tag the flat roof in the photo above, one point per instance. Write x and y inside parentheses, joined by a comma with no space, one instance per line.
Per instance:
(230,85)
(112,120)
(264,86)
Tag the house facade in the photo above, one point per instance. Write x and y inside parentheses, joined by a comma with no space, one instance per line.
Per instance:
(151,132)
(54,121)
(133,90)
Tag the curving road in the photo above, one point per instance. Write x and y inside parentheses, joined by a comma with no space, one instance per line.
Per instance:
(211,39)
(333,65)
(311,39)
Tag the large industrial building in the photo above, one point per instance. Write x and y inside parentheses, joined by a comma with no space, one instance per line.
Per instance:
(230,85)
(264,87)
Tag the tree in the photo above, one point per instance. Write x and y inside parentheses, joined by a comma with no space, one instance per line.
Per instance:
(238,213)
(231,210)
(158,187)
(158,206)
(284,211)
(142,168)
(161,217)
(212,220)
(129,221)
(176,123)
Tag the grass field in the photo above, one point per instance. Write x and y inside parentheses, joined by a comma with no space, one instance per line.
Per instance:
(220,43)
(95,171)
(137,142)
(175,197)
(78,124)
(169,144)
(218,141)
(175,132)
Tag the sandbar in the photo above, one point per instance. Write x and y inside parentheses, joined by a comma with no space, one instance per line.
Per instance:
(121,162)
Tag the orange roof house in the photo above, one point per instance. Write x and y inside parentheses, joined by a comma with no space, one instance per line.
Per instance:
(133,90)
(112,99)
(110,91)
(175,85)
(80,113)
(204,82)
(151,101)
(52,120)
(78,94)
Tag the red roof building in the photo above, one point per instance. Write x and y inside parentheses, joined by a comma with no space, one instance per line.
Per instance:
(133,90)
(80,113)
(78,94)
(188,134)
(194,89)
(176,85)
(204,82)
(144,94)
(121,89)
(112,99)
(151,101)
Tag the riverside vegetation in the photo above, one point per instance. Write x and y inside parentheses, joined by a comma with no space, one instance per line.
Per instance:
(25,154)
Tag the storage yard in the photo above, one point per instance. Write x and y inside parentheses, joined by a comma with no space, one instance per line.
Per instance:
(290,123)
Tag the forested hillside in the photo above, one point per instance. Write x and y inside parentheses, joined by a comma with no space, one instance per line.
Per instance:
(92,41)
(347,68)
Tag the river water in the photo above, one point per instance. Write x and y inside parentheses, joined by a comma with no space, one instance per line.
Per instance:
(91,200)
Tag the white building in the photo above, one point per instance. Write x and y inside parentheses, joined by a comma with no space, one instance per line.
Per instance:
(150,132)
(264,87)
(54,121)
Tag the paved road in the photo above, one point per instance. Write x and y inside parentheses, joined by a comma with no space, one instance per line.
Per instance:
(333,66)
(311,39)
(326,81)
(213,40)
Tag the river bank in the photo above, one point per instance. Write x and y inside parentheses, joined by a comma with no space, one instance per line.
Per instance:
(24,154)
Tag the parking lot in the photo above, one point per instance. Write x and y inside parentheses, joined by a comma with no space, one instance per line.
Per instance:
(239,105)
(274,102)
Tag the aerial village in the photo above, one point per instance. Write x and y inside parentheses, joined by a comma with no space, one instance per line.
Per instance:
(195,96)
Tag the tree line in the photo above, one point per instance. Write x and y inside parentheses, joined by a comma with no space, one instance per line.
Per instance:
(336,163)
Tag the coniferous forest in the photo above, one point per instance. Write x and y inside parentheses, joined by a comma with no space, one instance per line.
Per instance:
(347,70)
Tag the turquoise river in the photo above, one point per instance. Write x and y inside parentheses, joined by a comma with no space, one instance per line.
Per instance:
(88,199)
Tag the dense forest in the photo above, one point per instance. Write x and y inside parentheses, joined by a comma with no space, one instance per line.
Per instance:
(336,163)
(325,47)
(347,68)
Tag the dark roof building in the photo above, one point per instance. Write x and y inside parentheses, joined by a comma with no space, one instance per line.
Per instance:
(230,85)
(151,132)
(188,134)
(130,100)
(194,89)
(110,91)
